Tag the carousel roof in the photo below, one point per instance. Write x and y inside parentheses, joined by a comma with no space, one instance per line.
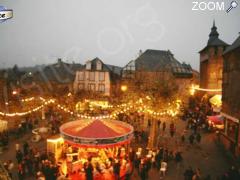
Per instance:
(96,132)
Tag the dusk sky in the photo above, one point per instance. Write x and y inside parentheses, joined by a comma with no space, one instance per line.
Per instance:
(113,30)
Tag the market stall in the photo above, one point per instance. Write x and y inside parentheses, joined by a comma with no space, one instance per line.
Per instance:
(3,125)
(99,142)
(216,121)
(216,102)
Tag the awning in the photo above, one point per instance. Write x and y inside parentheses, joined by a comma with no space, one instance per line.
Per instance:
(96,133)
(217,120)
(216,100)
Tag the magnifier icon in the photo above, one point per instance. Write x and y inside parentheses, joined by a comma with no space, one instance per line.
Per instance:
(233,4)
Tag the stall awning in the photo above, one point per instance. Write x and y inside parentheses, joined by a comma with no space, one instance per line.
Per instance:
(216,100)
(218,119)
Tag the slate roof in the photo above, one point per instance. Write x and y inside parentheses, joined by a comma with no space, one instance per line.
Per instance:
(214,39)
(159,60)
(115,69)
(59,72)
(235,45)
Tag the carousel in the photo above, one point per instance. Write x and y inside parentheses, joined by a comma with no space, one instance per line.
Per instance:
(99,142)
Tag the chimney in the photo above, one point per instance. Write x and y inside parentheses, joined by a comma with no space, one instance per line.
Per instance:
(59,60)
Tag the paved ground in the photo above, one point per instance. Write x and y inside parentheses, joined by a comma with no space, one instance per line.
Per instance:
(206,156)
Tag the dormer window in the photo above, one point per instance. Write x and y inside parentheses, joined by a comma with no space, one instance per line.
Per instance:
(99,65)
(88,65)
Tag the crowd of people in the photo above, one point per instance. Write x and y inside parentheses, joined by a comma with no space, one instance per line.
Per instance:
(30,162)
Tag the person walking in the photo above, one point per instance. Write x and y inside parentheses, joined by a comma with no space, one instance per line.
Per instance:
(196,175)
(188,174)
(178,159)
(164,127)
(183,138)
(198,138)
(159,124)
(172,129)
(191,139)
(20,171)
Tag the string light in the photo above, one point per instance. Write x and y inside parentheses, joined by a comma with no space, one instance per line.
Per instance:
(138,106)
(196,87)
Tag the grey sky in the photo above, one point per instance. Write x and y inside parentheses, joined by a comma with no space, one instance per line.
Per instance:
(113,30)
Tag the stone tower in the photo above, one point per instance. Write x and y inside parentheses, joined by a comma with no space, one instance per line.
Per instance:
(211,61)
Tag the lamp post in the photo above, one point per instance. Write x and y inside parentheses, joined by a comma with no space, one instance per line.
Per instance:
(124,88)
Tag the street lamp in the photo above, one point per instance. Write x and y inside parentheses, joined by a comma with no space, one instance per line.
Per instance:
(14,92)
(124,88)
(192,90)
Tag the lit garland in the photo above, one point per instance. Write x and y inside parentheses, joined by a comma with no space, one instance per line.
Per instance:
(126,108)
(29,111)
(193,88)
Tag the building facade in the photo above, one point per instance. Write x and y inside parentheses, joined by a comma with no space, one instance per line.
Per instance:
(154,69)
(211,61)
(53,79)
(231,98)
(98,77)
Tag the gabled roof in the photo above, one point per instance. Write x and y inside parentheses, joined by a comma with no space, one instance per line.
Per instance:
(235,45)
(105,67)
(159,60)
(94,65)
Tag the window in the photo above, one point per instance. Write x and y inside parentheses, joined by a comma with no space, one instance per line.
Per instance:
(81,76)
(99,65)
(91,76)
(91,87)
(88,65)
(81,86)
(101,76)
(101,87)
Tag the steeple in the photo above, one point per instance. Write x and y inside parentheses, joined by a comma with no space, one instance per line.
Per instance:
(213,39)
(213,34)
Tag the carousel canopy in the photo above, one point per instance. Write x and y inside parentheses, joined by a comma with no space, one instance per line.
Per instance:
(96,133)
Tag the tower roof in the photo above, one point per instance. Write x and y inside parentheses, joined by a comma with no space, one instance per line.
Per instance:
(213,34)
(213,38)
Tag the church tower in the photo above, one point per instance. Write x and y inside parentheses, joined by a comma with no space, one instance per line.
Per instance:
(211,61)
